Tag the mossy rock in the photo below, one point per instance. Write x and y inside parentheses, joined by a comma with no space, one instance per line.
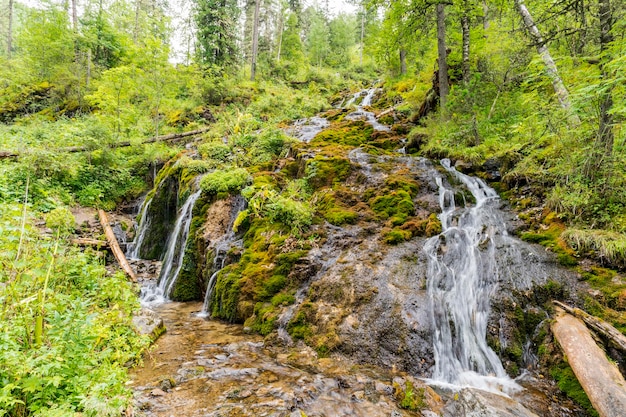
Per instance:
(352,133)
(161,216)
(396,207)
(323,171)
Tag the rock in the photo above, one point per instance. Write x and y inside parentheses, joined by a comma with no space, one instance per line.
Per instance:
(149,323)
(463,166)
(157,392)
(167,384)
(472,402)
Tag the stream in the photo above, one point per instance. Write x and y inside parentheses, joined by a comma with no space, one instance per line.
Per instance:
(430,314)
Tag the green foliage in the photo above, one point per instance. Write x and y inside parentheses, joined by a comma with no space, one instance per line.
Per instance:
(225,181)
(79,369)
(410,398)
(61,219)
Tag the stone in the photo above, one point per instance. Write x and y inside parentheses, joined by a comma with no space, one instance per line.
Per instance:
(157,392)
(147,322)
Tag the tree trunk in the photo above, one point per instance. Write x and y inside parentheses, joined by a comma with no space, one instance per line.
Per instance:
(362,32)
(485,16)
(281,28)
(444,86)
(402,61)
(136,28)
(10,33)
(551,70)
(255,39)
(115,247)
(601,380)
(465,26)
(605,132)
(614,337)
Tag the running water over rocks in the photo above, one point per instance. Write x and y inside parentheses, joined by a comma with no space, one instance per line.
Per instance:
(173,259)
(360,113)
(462,278)
(221,246)
(133,249)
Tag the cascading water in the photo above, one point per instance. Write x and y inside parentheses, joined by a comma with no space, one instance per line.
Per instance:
(173,259)
(133,249)
(462,276)
(361,113)
(221,248)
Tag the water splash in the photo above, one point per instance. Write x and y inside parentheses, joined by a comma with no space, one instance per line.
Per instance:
(173,260)
(221,249)
(133,249)
(462,276)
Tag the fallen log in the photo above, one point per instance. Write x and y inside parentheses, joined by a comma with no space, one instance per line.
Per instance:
(83,241)
(172,137)
(115,247)
(603,383)
(610,333)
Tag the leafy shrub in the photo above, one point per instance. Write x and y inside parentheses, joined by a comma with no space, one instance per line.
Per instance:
(61,219)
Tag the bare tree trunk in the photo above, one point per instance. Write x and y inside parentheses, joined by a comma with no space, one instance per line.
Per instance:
(88,77)
(255,39)
(465,26)
(281,28)
(115,247)
(444,86)
(402,61)
(551,70)
(136,29)
(485,16)
(10,34)
(362,32)
(74,16)
(605,133)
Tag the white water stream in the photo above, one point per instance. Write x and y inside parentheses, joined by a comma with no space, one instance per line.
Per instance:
(462,277)
(134,248)
(173,259)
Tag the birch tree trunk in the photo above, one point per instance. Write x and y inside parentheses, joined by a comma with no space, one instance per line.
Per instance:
(402,61)
(255,39)
(551,69)
(444,86)
(10,34)
(465,27)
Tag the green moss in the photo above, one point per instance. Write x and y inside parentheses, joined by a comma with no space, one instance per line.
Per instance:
(352,133)
(396,206)
(283,299)
(264,319)
(568,383)
(398,182)
(395,236)
(340,216)
(299,327)
(323,171)
(226,295)
(161,216)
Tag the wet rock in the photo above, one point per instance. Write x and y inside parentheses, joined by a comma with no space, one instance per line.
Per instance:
(470,402)
(147,322)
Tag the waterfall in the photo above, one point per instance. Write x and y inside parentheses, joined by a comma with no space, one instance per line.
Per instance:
(173,259)
(361,113)
(221,248)
(133,248)
(462,277)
